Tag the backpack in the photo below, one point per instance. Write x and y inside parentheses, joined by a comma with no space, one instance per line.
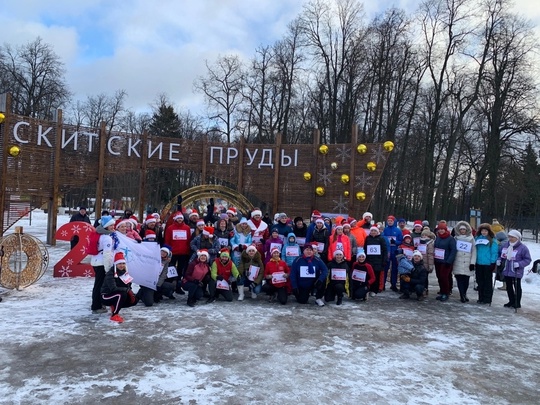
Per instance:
(92,248)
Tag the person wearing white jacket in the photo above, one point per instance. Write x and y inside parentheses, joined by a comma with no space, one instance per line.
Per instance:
(464,264)
(103,260)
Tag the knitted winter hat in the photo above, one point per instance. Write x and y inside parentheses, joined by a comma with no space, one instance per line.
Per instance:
(106,221)
(515,234)
(224,253)
(119,258)
(367,214)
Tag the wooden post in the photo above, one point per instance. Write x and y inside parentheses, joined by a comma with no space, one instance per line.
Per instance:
(204,159)
(53,201)
(240,183)
(316,139)
(275,202)
(352,173)
(142,182)
(5,157)
(101,166)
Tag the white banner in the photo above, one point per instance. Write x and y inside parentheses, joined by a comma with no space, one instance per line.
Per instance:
(143,260)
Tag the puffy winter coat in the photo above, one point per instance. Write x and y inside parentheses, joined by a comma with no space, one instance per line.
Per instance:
(291,250)
(521,256)
(448,245)
(486,251)
(373,245)
(299,280)
(465,250)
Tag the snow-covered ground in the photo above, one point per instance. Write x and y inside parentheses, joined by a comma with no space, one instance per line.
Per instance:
(53,350)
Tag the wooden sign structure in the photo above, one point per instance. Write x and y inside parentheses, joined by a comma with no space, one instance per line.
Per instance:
(296,179)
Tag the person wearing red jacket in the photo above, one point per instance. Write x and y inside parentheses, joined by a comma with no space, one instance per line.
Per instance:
(197,273)
(276,273)
(222,274)
(177,236)
(362,276)
(339,241)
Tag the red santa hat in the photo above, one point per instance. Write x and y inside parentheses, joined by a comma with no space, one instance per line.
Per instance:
(149,234)
(316,214)
(200,222)
(203,252)
(338,252)
(119,258)
(208,231)
(156,216)
(133,222)
(274,249)
(177,215)
(231,211)
(150,219)
(224,252)
(352,221)
(393,218)
(417,223)
(319,220)
(407,235)
(367,214)
(256,211)
(251,248)
(123,221)
(374,228)
(193,213)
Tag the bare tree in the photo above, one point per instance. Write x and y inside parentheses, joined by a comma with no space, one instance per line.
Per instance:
(34,75)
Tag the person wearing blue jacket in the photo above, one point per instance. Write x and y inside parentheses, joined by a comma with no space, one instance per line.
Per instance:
(445,254)
(394,236)
(517,257)
(487,251)
(308,272)
(291,250)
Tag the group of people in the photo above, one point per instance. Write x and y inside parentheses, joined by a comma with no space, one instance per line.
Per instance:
(320,258)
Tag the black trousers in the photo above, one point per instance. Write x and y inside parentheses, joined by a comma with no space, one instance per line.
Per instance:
(462,284)
(99,272)
(281,292)
(513,290)
(194,290)
(216,292)
(358,290)
(484,279)
(303,294)
(334,289)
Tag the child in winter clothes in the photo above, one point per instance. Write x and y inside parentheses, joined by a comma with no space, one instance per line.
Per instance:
(274,241)
(415,280)
(116,290)
(362,276)
(407,246)
(404,265)
(337,282)
(276,273)
(465,261)
(291,250)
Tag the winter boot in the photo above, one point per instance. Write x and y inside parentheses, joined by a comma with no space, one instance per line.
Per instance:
(240,293)
(339,301)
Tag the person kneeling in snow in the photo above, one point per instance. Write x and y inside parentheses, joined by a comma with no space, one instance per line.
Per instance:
(196,276)
(337,282)
(276,273)
(414,280)
(223,273)
(116,290)
(362,276)
(307,273)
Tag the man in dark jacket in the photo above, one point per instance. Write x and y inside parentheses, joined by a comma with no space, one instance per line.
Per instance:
(80,216)
(308,272)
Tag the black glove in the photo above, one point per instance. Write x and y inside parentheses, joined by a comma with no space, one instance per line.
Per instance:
(219,278)
(471,267)
(318,284)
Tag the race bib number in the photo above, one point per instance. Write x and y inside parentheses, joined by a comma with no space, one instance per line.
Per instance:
(126,278)
(482,242)
(301,241)
(359,275)
(253,272)
(223,242)
(373,250)
(179,234)
(320,247)
(422,248)
(304,272)
(279,278)
(439,254)
(291,251)
(222,285)
(256,239)
(339,274)
(416,241)
(464,246)
(172,272)
(275,246)
(339,246)
(408,253)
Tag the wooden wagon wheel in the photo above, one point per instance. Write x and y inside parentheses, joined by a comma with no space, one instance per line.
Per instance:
(24,262)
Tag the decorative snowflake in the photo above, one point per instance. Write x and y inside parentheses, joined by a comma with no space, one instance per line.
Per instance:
(69,262)
(64,271)
(87,273)
(76,228)
(379,154)
(83,250)
(63,233)
(363,181)
(341,205)
(324,176)
(344,153)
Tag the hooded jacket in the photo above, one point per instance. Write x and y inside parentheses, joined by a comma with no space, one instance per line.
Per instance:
(465,250)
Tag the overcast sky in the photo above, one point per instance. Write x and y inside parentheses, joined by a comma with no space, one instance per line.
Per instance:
(158,46)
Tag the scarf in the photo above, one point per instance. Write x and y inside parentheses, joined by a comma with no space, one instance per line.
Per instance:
(510,250)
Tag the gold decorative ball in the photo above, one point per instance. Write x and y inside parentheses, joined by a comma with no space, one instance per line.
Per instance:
(307,176)
(388,146)
(361,196)
(14,151)
(345,178)
(320,191)
(333,165)
(361,148)
(2,117)
(371,166)
(346,193)
(323,149)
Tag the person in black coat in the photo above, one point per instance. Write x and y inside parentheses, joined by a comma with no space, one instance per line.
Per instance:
(415,281)
(80,216)
(116,289)
(377,255)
